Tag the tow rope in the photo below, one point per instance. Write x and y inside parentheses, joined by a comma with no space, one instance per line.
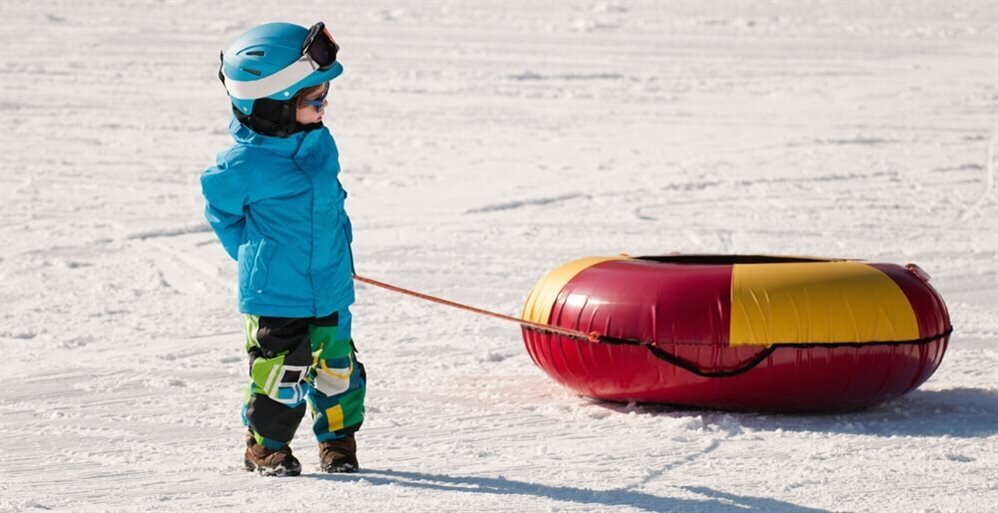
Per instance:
(594,336)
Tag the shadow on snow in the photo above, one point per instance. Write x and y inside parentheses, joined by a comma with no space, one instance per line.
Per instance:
(957,412)
(714,501)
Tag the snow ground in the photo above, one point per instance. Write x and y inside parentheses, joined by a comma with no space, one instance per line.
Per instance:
(484,144)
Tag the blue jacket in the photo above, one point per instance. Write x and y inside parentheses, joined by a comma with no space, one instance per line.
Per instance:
(276,205)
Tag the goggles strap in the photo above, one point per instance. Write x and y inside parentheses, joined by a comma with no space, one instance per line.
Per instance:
(221,65)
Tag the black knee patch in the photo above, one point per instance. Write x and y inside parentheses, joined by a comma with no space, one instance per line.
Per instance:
(272,419)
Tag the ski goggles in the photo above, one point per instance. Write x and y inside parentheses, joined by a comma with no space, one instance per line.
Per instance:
(319,47)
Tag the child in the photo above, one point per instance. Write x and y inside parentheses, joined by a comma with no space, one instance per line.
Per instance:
(276,205)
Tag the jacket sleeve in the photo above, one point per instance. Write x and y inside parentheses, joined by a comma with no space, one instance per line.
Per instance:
(224,192)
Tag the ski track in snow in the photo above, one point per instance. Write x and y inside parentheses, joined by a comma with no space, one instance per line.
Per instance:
(484,144)
(525,203)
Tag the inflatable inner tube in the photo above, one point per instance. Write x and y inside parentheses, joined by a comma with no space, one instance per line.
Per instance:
(739,332)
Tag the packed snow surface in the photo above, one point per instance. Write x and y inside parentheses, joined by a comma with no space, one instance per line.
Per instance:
(484,144)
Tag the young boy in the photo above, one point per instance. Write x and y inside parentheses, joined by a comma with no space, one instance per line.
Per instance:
(276,205)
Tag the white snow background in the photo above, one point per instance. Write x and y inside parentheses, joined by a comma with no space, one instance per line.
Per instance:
(483,144)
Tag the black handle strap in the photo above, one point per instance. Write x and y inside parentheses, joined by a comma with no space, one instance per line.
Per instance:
(757,359)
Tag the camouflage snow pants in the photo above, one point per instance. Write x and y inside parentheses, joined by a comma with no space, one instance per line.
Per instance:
(297,360)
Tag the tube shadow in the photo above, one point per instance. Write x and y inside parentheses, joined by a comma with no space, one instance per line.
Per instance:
(956,412)
(714,501)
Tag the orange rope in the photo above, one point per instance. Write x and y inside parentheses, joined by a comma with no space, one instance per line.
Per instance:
(591,337)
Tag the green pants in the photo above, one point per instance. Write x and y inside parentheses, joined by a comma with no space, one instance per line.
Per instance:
(294,361)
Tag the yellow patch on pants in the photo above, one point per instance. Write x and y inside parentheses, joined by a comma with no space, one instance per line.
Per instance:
(334,416)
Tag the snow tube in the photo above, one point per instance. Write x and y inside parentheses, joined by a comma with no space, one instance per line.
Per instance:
(760,333)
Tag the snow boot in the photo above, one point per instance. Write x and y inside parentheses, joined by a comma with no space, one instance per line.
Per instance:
(270,462)
(339,455)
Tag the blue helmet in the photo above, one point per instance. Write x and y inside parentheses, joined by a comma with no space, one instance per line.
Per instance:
(275,61)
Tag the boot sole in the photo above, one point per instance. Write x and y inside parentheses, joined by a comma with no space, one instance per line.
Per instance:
(345,468)
(272,472)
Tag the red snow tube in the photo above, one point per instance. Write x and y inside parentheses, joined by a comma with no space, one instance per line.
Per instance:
(740,332)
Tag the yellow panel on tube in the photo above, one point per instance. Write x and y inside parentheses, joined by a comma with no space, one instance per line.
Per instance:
(816,303)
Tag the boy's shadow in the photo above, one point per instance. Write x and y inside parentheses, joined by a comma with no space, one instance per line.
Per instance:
(715,501)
